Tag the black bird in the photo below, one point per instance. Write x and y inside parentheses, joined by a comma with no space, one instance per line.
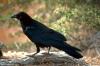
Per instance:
(43,36)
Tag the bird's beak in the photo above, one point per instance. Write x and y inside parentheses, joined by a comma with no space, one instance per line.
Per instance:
(14,16)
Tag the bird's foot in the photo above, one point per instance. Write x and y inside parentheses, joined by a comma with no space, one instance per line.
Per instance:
(32,55)
(47,54)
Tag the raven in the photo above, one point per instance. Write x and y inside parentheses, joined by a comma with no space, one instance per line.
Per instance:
(43,36)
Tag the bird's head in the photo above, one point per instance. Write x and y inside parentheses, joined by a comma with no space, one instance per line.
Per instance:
(20,16)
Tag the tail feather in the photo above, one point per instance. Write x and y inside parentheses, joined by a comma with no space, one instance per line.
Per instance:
(77,49)
(72,51)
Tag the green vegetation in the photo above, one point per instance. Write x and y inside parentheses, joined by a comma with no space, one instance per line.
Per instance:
(76,19)
(77,11)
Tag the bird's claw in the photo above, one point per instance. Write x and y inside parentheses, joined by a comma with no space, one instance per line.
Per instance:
(32,55)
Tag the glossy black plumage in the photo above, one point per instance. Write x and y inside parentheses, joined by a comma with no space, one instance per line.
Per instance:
(43,36)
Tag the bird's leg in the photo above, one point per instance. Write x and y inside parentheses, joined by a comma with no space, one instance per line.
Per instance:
(49,50)
(48,53)
(38,50)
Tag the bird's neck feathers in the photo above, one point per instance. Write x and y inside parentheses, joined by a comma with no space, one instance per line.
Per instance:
(27,21)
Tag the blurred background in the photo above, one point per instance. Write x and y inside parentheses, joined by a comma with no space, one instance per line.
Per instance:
(77,20)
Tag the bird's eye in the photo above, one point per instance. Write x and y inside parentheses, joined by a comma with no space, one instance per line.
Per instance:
(19,17)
